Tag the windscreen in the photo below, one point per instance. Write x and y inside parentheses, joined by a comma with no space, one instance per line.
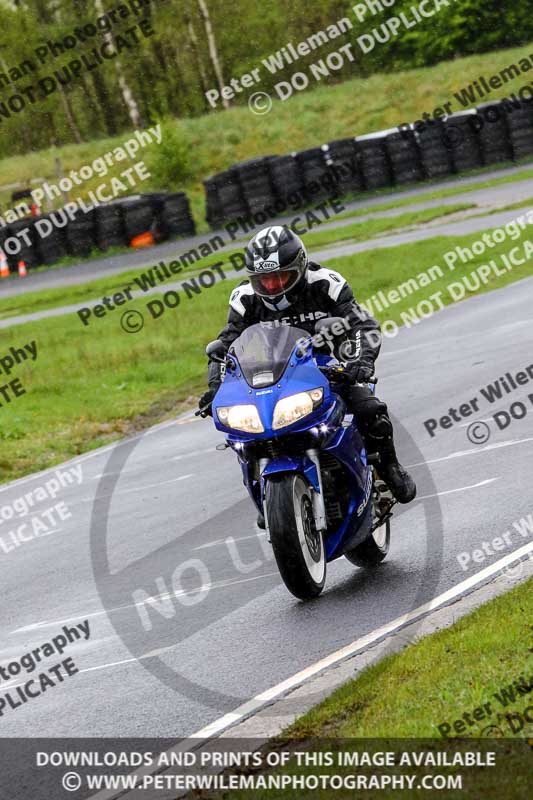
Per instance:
(263,352)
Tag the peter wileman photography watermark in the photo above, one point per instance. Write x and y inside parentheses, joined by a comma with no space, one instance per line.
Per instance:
(112,44)
(9,361)
(501,723)
(260,102)
(467,96)
(106,192)
(19,679)
(149,280)
(488,395)
(513,537)
(463,285)
(26,518)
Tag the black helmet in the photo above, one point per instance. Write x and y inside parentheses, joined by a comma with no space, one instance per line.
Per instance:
(276,263)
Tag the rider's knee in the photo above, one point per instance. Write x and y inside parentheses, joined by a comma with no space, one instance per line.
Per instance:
(381,427)
(370,409)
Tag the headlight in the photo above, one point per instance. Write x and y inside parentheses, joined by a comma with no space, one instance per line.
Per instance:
(295,407)
(241,418)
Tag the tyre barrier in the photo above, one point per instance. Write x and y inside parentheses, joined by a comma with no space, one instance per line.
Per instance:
(318,180)
(174,216)
(80,234)
(491,133)
(287,180)
(29,253)
(157,217)
(214,214)
(494,135)
(375,165)
(435,153)
(53,246)
(520,122)
(138,217)
(227,197)
(109,227)
(341,156)
(462,131)
(257,189)
(404,157)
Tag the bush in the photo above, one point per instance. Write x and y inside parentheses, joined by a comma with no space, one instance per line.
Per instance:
(170,163)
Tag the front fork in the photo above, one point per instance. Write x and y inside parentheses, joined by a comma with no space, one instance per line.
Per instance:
(313,473)
(319,506)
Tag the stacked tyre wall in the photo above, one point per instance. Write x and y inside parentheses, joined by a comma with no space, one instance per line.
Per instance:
(117,224)
(265,187)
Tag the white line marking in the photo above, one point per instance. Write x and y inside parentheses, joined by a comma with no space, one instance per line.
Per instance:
(461,453)
(224,541)
(133,489)
(459,489)
(93,453)
(210,450)
(257,702)
(165,596)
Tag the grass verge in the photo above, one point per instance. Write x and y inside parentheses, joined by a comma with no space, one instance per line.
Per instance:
(435,681)
(52,298)
(481,662)
(92,385)
(439,194)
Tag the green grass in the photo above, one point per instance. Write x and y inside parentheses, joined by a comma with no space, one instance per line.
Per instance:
(52,298)
(398,704)
(513,206)
(92,290)
(361,231)
(324,114)
(436,680)
(439,194)
(93,385)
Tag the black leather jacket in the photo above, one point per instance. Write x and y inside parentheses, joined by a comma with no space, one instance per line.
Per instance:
(325,294)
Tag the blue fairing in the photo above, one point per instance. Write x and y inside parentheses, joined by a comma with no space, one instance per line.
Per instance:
(327,432)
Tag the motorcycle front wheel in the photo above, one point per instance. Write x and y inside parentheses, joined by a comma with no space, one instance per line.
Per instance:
(298,546)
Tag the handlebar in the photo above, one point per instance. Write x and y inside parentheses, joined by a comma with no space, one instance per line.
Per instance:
(339,375)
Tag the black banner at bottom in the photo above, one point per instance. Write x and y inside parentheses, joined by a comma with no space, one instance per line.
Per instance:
(166,769)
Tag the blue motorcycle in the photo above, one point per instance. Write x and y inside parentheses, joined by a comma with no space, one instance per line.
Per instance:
(302,458)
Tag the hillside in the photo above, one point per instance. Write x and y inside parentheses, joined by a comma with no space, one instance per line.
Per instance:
(213,142)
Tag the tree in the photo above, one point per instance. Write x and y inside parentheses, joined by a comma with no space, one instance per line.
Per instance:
(213,50)
(127,93)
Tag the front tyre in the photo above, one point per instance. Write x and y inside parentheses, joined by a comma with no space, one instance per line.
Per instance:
(298,546)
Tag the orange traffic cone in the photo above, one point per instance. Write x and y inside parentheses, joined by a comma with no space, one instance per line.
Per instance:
(4,266)
(22,269)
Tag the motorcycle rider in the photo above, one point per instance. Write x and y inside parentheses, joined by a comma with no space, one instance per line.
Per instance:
(284,287)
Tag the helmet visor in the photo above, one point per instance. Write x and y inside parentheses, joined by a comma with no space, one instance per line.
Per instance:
(274,283)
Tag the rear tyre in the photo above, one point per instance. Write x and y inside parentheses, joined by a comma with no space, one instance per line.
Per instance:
(298,546)
(373,550)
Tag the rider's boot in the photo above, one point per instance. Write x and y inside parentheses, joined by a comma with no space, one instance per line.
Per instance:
(396,477)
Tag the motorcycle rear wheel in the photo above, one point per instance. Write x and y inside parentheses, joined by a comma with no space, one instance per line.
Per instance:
(373,550)
(298,547)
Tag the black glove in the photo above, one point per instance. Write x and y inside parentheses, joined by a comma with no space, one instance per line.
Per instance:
(204,403)
(360,373)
